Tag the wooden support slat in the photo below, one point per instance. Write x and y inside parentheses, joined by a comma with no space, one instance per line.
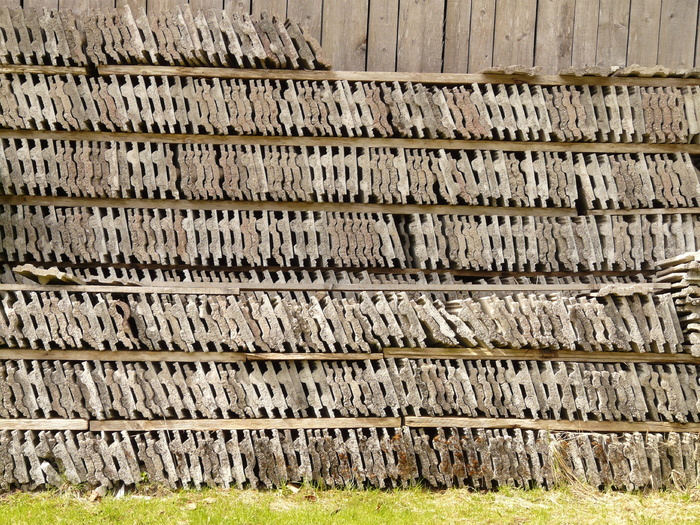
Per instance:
(23,69)
(514,41)
(246,424)
(344,40)
(483,22)
(550,424)
(457,31)
(645,211)
(315,356)
(515,354)
(585,33)
(555,26)
(382,33)
(388,76)
(177,288)
(43,424)
(347,207)
(643,46)
(420,39)
(678,29)
(356,142)
(152,356)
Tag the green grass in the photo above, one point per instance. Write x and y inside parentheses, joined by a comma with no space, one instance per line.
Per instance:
(413,506)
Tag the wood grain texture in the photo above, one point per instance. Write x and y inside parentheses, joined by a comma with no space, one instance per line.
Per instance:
(613,32)
(43,424)
(514,40)
(206,4)
(645,19)
(344,39)
(481,34)
(272,7)
(157,6)
(457,31)
(237,6)
(244,424)
(308,14)
(81,6)
(555,34)
(583,52)
(135,5)
(678,33)
(177,288)
(382,34)
(420,35)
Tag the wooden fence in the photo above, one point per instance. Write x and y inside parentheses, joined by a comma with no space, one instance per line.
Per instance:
(459,36)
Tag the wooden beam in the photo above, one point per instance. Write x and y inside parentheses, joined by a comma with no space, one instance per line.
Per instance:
(246,424)
(313,356)
(645,211)
(353,142)
(141,356)
(516,354)
(23,69)
(43,424)
(551,424)
(184,288)
(391,76)
(346,207)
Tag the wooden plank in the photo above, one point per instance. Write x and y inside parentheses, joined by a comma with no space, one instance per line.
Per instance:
(420,40)
(272,7)
(344,33)
(43,424)
(135,5)
(348,207)
(555,34)
(613,32)
(645,19)
(237,6)
(82,6)
(206,4)
(382,34)
(583,52)
(308,14)
(158,6)
(23,69)
(646,211)
(268,356)
(514,41)
(679,20)
(393,287)
(515,354)
(246,424)
(457,32)
(481,34)
(466,145)
(143,356)
(204,289)
(388,76)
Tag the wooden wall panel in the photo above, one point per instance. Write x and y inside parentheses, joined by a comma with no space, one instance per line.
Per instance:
(613,32)
(237,6)
(307,13)
(645,18)
(420,40)
(555,33)
(457,31)
(678,28)
(273,7)
(135,5)
(585,33)
(482,34)
(345,33)
(207,4)
(515,32)
(382,34)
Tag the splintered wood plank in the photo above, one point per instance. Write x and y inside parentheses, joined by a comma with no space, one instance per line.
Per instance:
(481,36)
(645,18)
(679,20)
(420,36)
(382,35)
(272,7)
(549,424)
(298,206)
(142,356)
(237,6)
(245,424)
(457,32)
(308,14)
(613,31)
(218,289)
(555,34)
(514,42)
(508,354)
(585,33)
(43,424)
(344,34)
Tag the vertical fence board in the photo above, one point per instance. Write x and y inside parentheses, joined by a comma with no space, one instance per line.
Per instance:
(515,33)
(555,34)
(613,31)
(206,4)
(457,24)
(482,34)
(237,6)
(345,33)
(273,7)
(645,17)
(585,33)
(420,35)
(382,35)
(678,31)
(308,14)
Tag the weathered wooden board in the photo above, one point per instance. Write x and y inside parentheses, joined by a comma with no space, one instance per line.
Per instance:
(457,33)
(345,33)
(679,20)
(382,34)
(613,31)
(645,19)
(481,36)
(420,39)
(555,33)
(583,52)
